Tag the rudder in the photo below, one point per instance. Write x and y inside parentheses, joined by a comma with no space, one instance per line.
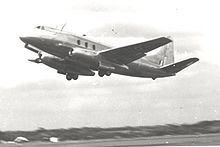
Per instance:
(165,56)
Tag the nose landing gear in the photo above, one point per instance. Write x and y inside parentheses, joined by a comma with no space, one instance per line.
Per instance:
(38,60)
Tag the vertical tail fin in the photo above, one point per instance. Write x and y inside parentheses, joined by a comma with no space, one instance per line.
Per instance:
(166,54)
(164,57)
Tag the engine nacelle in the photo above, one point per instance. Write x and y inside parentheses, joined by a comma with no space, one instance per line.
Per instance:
(54,62)
(64,67)
(84,57)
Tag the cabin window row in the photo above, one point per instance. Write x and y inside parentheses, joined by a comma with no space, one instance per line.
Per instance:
(86,44)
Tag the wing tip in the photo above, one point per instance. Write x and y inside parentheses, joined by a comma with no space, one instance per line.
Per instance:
(166,39)
(195,59)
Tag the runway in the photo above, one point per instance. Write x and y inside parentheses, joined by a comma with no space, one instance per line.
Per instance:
(201,140)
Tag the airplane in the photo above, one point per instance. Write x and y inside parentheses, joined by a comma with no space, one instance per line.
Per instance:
(74,55)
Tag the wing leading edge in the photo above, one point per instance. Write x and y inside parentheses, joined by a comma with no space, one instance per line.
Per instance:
(130,53)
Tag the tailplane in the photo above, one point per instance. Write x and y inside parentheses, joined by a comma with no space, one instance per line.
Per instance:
(165,56)
(176,67)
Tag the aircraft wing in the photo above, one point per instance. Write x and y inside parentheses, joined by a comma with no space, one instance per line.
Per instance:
(127,54)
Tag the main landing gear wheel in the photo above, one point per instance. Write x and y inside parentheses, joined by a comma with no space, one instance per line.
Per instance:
(68,77)
(75,77)
(101,73)
(108,73)
(71,76)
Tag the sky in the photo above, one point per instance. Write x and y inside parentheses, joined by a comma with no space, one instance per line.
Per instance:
(33,95)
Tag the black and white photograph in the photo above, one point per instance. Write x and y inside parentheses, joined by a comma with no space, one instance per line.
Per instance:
(109,73)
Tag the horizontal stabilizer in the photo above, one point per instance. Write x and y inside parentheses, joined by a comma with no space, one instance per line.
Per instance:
(176,67)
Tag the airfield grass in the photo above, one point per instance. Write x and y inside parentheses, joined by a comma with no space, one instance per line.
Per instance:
(181,140)
(76,136)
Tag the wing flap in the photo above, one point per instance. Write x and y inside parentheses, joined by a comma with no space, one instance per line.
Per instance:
(127,54)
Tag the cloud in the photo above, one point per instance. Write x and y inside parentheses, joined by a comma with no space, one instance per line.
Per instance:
(98,6)
(122,29)
(120,33)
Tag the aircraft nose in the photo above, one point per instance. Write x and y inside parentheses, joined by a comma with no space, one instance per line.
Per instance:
(22,39)
(28,40)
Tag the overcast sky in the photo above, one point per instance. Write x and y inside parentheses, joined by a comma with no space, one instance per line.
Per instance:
(33,95)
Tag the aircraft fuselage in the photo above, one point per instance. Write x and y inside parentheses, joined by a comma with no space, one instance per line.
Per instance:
(89,58)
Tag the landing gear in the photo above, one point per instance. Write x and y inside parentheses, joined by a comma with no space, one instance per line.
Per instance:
(154,78)
(71,76)
(39,54)
(68,77)
(108,73)
(38,60)
(75,77)
(101,73)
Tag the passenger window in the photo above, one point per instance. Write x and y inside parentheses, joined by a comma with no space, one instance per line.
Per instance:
(78,42)
(86,44)
(93,47)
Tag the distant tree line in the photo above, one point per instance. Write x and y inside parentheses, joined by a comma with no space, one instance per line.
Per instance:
(87,133)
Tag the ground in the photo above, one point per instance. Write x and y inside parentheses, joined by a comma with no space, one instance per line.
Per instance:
(201,140)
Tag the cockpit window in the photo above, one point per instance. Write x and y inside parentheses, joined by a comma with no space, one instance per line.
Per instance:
(40,27)
(49,29)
